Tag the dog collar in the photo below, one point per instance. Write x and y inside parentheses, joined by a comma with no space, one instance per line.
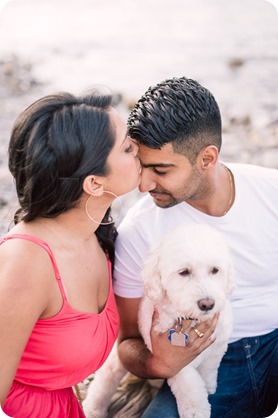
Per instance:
(186,318)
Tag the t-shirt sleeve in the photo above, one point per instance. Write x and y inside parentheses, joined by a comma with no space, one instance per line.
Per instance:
(130,252)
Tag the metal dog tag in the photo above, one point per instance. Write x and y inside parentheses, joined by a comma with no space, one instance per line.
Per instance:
(178,338)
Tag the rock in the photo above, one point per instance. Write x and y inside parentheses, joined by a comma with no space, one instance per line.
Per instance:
(235,63)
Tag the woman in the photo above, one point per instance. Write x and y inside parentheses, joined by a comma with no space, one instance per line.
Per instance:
(70,157)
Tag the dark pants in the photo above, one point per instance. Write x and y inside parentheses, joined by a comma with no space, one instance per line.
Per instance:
(247,383)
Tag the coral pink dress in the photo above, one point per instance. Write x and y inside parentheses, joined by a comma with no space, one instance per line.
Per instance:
(61,352)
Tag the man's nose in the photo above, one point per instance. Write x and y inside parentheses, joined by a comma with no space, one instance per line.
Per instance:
(146,183)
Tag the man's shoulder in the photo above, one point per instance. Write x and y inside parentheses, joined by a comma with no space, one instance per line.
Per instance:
(253,170)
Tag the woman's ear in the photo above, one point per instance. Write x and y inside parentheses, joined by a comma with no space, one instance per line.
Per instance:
(92,186)
(207,157)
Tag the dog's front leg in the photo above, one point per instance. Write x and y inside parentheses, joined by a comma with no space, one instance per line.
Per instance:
(104,385)
(211,358)
(191,394)
(208,369)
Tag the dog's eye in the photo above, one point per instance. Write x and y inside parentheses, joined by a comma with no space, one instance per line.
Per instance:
(214,270)
(185,272)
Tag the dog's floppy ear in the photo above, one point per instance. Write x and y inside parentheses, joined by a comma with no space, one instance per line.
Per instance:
(151,276)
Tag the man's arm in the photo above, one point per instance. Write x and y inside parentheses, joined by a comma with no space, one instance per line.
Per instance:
(165,360)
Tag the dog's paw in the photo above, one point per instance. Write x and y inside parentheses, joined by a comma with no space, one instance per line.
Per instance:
(194,410)
(194,414)
(211,388)
(93,408)
(211,391)
(94,412)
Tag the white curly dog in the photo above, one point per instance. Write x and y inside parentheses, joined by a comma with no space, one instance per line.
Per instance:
(189,274)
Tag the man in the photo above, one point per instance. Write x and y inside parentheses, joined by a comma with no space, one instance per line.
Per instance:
(177,125)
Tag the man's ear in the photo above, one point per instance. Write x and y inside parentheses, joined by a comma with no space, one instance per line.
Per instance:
(207,157)
(92,186)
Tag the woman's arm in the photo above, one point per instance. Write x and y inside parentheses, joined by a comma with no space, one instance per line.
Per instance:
(24,294)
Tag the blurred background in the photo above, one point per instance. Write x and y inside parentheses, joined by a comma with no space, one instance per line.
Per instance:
(231,47)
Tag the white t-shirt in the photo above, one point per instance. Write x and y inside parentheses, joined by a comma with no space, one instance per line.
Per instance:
(250,229)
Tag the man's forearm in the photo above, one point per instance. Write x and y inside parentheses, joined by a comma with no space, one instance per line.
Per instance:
(138,359)
(165,360)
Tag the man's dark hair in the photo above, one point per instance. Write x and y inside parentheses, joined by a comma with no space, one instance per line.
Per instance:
(178,111)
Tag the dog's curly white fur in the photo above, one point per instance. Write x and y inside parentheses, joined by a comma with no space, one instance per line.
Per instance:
(188,274)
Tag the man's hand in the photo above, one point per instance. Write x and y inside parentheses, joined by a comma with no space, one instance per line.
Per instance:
(166,359)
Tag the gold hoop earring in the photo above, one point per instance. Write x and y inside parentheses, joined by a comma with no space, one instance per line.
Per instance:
(103,223)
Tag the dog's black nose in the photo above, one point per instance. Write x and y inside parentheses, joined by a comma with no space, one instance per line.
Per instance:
(206,304)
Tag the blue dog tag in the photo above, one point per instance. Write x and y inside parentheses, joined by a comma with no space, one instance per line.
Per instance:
(178,338)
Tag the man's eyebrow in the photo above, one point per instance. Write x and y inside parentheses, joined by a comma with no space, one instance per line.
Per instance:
(161,165)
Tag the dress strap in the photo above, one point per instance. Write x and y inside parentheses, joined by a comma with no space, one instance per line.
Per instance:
(46,247)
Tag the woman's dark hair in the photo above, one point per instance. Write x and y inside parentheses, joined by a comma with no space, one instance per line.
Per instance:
(55,144)
(178,111)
